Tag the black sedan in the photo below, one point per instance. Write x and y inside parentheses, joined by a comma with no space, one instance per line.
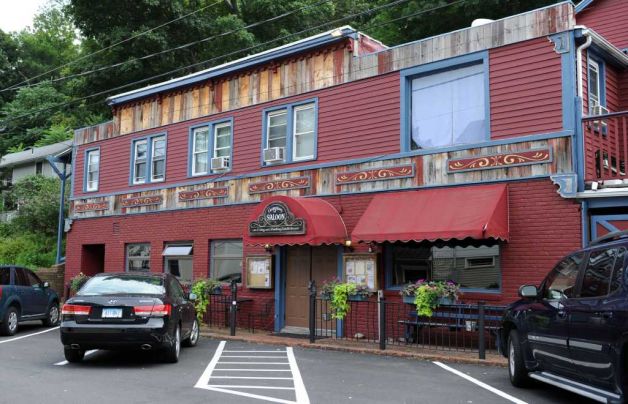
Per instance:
(129,311)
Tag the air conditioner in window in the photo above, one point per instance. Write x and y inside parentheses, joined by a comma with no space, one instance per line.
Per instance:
(274,154)
(220,163)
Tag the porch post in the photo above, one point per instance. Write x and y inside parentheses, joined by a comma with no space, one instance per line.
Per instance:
(280,303)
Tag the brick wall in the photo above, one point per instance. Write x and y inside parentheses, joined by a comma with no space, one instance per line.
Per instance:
(54,276)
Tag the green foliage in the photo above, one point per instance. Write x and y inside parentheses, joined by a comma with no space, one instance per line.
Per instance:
(202,288)
(27,249)
(78,281)
(339,299)
(426,300)
(37,200)
(55,134)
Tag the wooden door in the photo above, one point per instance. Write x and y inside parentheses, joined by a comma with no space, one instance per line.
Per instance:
(298,275)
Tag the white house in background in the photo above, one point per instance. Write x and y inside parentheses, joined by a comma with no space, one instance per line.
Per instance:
(15,166)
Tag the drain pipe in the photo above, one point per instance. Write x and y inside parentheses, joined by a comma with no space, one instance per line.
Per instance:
(586,33)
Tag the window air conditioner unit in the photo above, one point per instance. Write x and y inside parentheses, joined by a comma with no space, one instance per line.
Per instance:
(274,154)
(220,163)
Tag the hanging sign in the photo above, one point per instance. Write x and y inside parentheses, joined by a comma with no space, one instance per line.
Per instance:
(276,220)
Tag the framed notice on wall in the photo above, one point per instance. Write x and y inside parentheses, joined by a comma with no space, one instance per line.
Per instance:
(259,272)
(361,269)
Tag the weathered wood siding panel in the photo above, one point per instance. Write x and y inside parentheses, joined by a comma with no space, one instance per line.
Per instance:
(525,89)
(609,19)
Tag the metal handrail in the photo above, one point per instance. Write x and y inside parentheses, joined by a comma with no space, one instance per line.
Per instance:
(605,116)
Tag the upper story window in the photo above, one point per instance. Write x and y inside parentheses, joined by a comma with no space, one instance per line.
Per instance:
(446,103)
(211,148)
(148,160)
(290,133)
(92,169)
(596,86)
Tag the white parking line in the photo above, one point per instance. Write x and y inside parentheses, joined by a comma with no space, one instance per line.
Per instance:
(29,335)
(481,384)
(86,355)
(300,393)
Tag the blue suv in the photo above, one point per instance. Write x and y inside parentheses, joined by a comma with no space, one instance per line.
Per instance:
(24,297)
(572,331)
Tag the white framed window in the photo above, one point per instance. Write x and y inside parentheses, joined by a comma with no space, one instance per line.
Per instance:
(595,84)
(304,132)
(200,147)
(222,140)
(277,124)
(92,169)
(138,257)
(158,159)
(449,107)
(178,261)
(226,260)
(140,157)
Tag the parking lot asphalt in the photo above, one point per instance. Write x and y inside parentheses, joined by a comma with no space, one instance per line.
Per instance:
(33,370)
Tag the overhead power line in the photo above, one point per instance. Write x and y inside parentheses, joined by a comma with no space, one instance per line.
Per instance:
(15,86)
(176,48)
(115,89)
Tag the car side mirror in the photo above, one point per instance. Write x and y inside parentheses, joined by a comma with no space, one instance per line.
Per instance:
(46,285)
(192,297)
(528,291)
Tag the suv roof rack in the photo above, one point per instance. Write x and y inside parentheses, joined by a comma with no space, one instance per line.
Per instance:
(616,235)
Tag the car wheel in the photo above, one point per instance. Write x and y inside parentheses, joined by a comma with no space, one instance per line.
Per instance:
(73,355)
(171,354)
(52,319)
(516,367)
(192,340)
(10,321)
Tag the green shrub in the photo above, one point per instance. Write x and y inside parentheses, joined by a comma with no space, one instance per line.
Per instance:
(29,250)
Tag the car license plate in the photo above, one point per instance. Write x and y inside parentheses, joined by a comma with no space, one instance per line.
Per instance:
(111,313)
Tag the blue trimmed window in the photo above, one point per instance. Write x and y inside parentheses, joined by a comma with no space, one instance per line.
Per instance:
(211,148)
(446,103)
(148,159)
(290,133)
(596,83)
(92,170)
(474,268)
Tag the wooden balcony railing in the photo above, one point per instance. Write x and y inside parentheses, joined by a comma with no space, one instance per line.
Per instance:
(605,146)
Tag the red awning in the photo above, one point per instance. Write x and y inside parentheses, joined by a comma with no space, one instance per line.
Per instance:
(311,221)
(477,212)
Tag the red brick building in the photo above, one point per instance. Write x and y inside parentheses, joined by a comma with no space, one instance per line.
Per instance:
(466,156)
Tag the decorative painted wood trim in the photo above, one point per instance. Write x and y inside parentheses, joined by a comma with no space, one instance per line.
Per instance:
(89,207)
(279,185)
(375,174)
(141,201)
(203,194)
(502,160)
(567,184)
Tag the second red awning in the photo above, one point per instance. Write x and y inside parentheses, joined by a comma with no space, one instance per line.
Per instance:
(477,212)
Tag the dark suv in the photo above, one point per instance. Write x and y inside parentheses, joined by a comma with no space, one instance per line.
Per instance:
(572,331)
(24,297)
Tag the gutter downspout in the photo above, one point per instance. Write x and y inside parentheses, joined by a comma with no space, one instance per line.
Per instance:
(587,34)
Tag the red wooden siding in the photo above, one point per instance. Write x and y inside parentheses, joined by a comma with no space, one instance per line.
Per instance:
(623,90)
(355,120)
(525,88)
(607,18)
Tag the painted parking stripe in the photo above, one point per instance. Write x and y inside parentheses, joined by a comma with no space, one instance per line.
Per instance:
(214,377)
(62,363)
(481,384)
(29,335)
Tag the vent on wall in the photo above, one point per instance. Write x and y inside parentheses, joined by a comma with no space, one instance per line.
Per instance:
(116,228)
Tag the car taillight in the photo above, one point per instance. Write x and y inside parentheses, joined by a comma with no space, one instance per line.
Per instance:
(158,310)
(75,310)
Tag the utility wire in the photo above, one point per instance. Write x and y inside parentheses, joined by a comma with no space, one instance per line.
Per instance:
(176,48)
(15,86)
(238,51)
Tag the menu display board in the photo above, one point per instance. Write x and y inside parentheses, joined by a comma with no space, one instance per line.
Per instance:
(259,272)
(361,269)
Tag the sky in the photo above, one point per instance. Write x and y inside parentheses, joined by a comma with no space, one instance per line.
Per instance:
(18,14)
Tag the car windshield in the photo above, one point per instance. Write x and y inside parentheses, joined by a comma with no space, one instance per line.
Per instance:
(123,285)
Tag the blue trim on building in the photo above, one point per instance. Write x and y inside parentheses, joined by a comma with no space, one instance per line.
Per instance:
(288,153)
(280,290)
(596,57)
(340,275)
(584,210)
(149,157)
(85,168)
(582,5)
(382,157)
(237,65)
(73,170)
(610,202)
(406,76)
(210,147)
(603,220)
